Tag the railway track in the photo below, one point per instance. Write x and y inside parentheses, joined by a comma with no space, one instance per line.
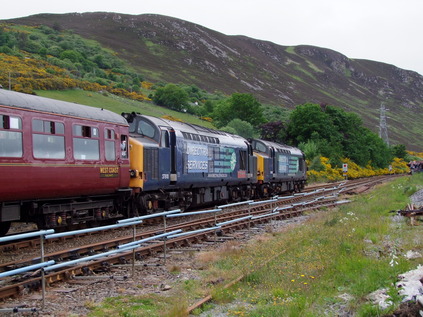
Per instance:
(259,213)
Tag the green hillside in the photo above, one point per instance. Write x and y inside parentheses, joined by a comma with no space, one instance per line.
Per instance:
(118,104)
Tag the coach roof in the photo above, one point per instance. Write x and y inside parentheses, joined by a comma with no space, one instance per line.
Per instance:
(47,105)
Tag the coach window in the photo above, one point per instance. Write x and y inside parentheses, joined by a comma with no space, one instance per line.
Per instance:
(10,136)
(48,140)
(85,143)
(109,142)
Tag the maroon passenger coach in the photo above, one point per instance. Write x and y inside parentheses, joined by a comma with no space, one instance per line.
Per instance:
(60,163)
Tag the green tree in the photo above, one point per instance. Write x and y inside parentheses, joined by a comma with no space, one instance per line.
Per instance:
(399,151)
(276,113)
(71,55)
(379,153)
(310,149)
(336,134)
(102,62)
(310,121)
(5,37)
(273,131)
(171,96)
(242,128)
(242,106)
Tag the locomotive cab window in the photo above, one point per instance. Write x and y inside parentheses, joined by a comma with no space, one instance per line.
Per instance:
(109,145)
(48,140)
(260,147)
(10,136)
(164,142)
(85,143)
(148,130)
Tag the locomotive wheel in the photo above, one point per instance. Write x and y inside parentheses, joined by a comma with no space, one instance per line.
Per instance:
(4,228)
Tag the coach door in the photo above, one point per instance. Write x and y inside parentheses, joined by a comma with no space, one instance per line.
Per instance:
(123,160)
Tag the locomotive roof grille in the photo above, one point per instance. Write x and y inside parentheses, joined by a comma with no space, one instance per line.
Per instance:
(199,137)
(47,105)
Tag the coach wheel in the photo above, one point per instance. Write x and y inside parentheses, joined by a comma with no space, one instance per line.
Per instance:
(4,228)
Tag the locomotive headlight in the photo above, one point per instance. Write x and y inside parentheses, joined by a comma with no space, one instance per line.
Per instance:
(133,173)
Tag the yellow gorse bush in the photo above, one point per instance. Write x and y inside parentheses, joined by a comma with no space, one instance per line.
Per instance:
(30,74)
(169,117)
(330,174)
(417,154)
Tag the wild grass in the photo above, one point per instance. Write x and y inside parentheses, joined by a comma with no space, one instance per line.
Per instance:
(324,266)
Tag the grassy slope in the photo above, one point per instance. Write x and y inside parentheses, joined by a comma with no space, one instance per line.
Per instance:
(118,104)
(325,266)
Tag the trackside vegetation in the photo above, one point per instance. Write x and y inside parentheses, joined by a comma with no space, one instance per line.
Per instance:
(325,265)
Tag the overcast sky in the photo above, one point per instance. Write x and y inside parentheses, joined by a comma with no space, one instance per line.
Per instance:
(389,31)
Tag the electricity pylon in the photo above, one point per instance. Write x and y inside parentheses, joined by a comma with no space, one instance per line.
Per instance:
(383,126)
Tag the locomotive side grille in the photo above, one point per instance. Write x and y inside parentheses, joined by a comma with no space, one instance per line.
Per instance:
(151,161)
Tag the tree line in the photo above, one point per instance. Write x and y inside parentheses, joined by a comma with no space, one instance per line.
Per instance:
(317,129)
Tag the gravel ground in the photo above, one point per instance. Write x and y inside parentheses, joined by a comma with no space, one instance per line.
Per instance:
(74,298)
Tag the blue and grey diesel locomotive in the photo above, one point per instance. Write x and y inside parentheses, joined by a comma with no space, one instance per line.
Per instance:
(280,168)
(175,164)
(63,164)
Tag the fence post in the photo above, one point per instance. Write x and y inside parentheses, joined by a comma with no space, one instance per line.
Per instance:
(133,250)
(43,280)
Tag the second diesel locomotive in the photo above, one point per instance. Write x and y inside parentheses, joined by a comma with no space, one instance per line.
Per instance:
(63,164)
